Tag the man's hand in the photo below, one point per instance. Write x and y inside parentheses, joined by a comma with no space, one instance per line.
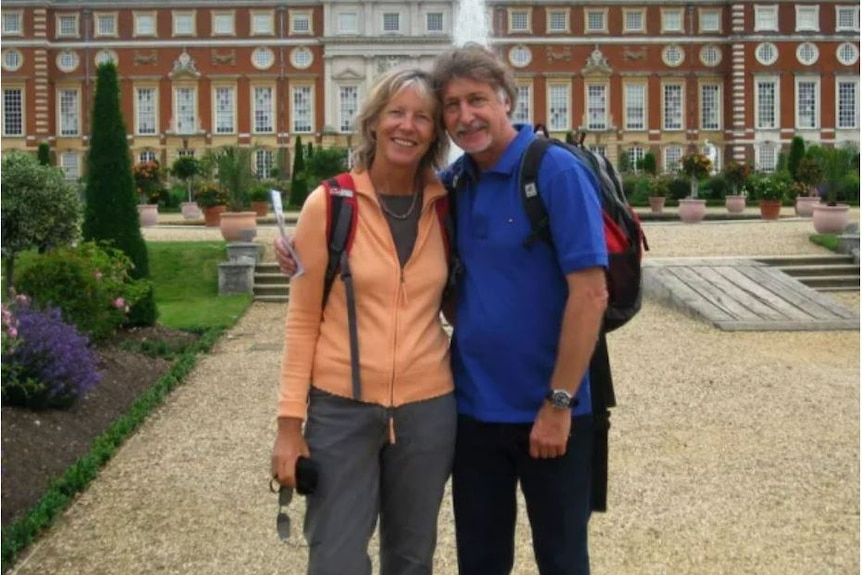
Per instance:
(550,433)
(285,261)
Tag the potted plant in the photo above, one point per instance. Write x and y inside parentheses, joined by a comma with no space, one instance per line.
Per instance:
(148,183)
(736,174)
(259,196)
(831,216)
(657,190)
(186,168)
(769,191)
(696,166)
(212,201)
(235,177)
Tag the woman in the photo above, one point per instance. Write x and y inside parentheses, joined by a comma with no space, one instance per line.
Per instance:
(389,452)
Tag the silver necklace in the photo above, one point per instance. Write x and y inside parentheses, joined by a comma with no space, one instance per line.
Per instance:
(389,212)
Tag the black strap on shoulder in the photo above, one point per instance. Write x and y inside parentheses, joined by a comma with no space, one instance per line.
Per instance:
(352,326)
(534,206)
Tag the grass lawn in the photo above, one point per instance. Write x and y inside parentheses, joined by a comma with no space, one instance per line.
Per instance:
(185,276)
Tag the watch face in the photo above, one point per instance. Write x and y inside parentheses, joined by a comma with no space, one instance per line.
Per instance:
(560,399)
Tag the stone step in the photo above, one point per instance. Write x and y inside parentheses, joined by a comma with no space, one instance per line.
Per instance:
(281,290)
(832,282)
(803,271)
(268,278)
(806,260)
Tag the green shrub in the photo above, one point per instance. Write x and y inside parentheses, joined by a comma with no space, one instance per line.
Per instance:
(90,284)
(325,164)
(679,188)
(715,188)
(649,164)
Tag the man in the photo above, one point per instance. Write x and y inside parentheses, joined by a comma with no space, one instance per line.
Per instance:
(526,324)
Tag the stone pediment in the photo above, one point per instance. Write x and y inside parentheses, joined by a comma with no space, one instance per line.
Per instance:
(348,74)
(184,67)
(597,64)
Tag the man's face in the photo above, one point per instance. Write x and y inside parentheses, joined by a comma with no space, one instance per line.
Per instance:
(477,119)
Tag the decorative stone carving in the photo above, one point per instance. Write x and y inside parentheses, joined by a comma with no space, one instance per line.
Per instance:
(184,66)
(629,54)
(142,58)
(597,63)
(226,58)
(565,54)
(388,62)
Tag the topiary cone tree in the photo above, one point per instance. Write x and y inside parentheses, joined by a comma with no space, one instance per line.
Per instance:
(111,213)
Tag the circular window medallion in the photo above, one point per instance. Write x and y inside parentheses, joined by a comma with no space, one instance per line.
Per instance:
(807,53)
(847,54)
(262,58)
(12,60)
(67,61)
(673,56)
(520,56)
(105,56)
(301,58)
(710,55)
(766,53)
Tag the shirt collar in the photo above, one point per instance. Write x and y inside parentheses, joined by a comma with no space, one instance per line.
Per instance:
(510,161)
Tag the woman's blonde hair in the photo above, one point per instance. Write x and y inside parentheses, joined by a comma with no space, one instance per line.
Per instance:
(385,88)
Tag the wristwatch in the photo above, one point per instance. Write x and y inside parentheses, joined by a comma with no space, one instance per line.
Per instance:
(561,398)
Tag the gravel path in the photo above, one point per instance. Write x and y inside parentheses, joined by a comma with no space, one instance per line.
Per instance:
(730,452)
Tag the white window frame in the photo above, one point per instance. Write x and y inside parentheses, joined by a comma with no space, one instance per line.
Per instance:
(68,61)
(70,163)
(388,18)
(596,106)
(146,116)
(99,18)
(815,80)
(708,13)
(665,116)
(717,88)
(139,17)
(629,107)
(179,17)
(12,60)
(148,156)
(262,23)
(189,121)
(222,17)
(60,18)
(523,112)
(760,81)
(224,118)
(264,162)
(766,18)
(759,153)
(669,27)
(266,125)
(302,113)
(807,12)
(297,18)
(636,155)
(342,23)
(517,14)
(20,113)
(854,27)
(854,107)
(559,98)
(601,13)
(429,29)
(68,116)
(348,107)
(562,14)
(10,17)
(631,12)
(672,164)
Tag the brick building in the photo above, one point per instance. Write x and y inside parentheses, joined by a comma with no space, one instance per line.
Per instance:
(199,74)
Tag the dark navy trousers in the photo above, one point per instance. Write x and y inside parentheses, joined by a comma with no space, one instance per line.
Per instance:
(490,460)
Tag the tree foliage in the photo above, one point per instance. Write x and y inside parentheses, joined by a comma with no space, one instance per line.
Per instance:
(44,154)
(649,164)
(326,163)
(235,176)
(186,168)
(797,152)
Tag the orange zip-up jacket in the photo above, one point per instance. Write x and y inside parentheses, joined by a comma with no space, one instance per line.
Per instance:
(403,350)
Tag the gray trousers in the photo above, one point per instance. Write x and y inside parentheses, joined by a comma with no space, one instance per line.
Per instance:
(363,476)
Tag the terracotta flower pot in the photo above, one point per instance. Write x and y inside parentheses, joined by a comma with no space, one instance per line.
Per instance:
(734,204)
(148,215)
(692,210)
(770,209)
(260,208)
(656,204)
(212,215)
(238,226)
(830,219)
(805,205)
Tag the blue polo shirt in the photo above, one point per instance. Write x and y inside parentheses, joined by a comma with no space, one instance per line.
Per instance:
(511,298)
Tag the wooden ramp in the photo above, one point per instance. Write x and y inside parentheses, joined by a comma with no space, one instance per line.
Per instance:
(739,294)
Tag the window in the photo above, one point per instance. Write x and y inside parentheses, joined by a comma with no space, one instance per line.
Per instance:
(848,103)
(847,18)
(710,55)
(672,107)
(767,159)
(671,20)
(520,56)
(301,58)
(184,23)
(710,107)
(636,157)
(847,54)
(70,113)
(67,61)
(348,23)
(12,60)
(673,56)
(558,21)
(766,53)
(106,24)
(261,23)
(348,105)
(67,26)
(595,20)
(558,108)
(633,20)
(672,158)
(391,22)
(766,18)
(223,24)
(806,104)
(300,22)
(766,98)
(597,110)
(635,106)
(523,113)
(224,110)
(519,21)
(807,53)
(262,58)
(70,164)
(264,162)
(186,153)
(13,112)
(147,156)
(12,23)
(434,22)
(263,110)
(105,56)
(710,20)
(185,110)
(807,18)
(302,104)
(145,24)
(145,111)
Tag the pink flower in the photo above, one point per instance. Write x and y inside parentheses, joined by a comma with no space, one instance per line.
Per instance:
(13,333)
(97,274)
(119,303)
(21,299)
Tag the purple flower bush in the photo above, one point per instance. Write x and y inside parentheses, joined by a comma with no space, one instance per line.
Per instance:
(47,363)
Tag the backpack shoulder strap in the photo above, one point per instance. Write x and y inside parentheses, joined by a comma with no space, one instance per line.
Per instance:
(341,214)
(534,206)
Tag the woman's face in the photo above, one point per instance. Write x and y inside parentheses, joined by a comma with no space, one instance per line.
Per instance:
(405,128)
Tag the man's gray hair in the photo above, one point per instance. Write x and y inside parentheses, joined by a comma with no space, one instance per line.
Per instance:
(473,61)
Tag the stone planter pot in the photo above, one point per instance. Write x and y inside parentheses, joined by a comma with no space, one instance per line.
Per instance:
(735,204)
(190,210)
(692,210)
(656,204)
(148,215)
(770,209)
(212,215)
(238,226)
(805,205)
(830,219)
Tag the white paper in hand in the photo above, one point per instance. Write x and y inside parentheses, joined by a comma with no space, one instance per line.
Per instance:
(275,196)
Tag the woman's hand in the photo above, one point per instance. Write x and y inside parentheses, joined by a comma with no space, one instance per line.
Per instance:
(289,446)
